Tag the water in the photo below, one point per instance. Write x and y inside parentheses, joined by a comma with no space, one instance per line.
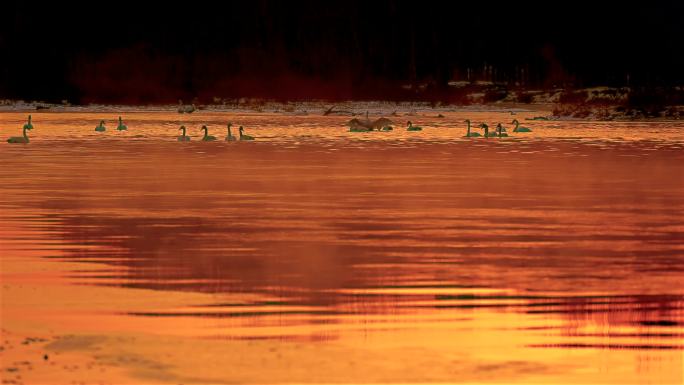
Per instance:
(320,255)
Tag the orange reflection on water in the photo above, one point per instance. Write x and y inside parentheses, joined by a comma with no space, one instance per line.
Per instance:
(313,255)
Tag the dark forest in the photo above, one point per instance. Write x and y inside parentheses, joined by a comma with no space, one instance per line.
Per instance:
(133,53)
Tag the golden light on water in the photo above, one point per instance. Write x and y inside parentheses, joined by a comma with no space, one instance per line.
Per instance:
(315,255)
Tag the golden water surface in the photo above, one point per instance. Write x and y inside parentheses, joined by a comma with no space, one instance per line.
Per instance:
(316,255)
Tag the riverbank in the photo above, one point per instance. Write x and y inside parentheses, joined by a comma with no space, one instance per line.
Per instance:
(350,108)
(547,110)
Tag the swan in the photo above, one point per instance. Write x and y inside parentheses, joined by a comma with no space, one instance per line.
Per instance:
(183,138)
(24,138)
(471,134)
(100,127)
(243,136)
(486,131)
(411,127)
(28,125)
(501,130)
(230,136)
(207,137)
(518,128)
(121,126)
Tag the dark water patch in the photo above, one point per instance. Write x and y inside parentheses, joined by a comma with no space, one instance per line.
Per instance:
(630,335)
(610,346)
(607,309)
(665,323)
(249,314)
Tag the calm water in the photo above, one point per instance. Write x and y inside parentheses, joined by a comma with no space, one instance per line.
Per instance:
(551,256)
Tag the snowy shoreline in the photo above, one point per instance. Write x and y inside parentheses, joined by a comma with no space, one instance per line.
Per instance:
(349,108)
(549,108)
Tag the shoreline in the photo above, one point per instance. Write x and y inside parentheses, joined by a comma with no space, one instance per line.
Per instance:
(589,104)
(355,108)
(348,108)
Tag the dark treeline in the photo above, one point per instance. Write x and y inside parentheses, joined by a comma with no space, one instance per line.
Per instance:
(135,53)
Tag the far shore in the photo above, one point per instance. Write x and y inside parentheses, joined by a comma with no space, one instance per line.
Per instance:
(540,110)
(348,108)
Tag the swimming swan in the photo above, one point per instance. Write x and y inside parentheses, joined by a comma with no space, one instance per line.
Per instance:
(183,138)
(207,137)
(411,127)
(24,138)
(230,136)
(518,128)
(471,134)
(243,136)
(121,126)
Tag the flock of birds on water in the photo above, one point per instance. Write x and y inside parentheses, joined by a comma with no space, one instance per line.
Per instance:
(355,125)
(384,124)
